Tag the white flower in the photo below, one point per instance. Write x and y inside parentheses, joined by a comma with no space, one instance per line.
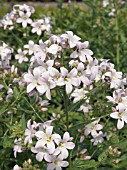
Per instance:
(46,138)
(68,79)
(37,26)
(115,78)
(40,52)
(79,94)
(30,132)
(17,146)
(30,47)
(82,52)
(98,138)
(63,145)
(47,24)
(24,19)
(33,80)
(72,39)
(46,85)
(121,115)
(105,3)
(92,128)
(42,153)
(16,167)
(54,48)
(21,56)
(57,163)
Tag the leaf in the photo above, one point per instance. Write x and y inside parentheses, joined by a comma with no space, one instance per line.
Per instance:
(84,165)
(16,93)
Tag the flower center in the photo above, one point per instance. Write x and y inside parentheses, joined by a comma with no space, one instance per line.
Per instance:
(48,139)
(61,144)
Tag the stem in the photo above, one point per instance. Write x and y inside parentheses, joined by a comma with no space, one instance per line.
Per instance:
(117,39)
(33,110)
(65,108)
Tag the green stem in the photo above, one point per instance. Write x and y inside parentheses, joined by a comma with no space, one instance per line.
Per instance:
(117,38)
(65,109)
(33,110)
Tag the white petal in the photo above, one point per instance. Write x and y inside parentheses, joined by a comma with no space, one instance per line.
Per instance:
(39,156)
(68,87)
(70,145)
(49,130)
(120,124)
(30,87)
(115,115)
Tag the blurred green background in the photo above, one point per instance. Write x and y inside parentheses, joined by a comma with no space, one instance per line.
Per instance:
(89,19)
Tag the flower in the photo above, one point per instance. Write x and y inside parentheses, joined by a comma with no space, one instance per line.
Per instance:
(72,39)
(24,18)
(30,47)
(30,131)
(33,80)
(17,146)
(21,56)
(16,167)
(121,115)
(37,26)
(68,79)
(98,138)
(57,163)
(82,52)
(92,128)
(46,138)
(63,145)
(42,153)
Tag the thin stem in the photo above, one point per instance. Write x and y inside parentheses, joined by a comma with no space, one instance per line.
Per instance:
(33,110)
(117,38)
(65,109)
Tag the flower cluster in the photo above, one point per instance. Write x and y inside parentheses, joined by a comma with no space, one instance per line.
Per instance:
(119,100)
(49,145)
(21,14)
(5,55)
(78,76)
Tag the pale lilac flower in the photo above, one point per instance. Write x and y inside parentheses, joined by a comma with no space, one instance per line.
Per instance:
(30,47)
(43,103)
(9,94)
(72,39)
(21,56)
(46,138)
(17,146)
(85,107)
(98,138)
(30,132)
(46,85)
(24,19)
(33,80)
(92,128)
(117,94)
(40,52)
(37,26)
(42,153)
(105,3)
(63,146)
(82,52)
(114,77)
(79,94)
(47,24)
(14,69)
(57,163)
(54,49)
(121,115)
(68,79)
(16,167)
